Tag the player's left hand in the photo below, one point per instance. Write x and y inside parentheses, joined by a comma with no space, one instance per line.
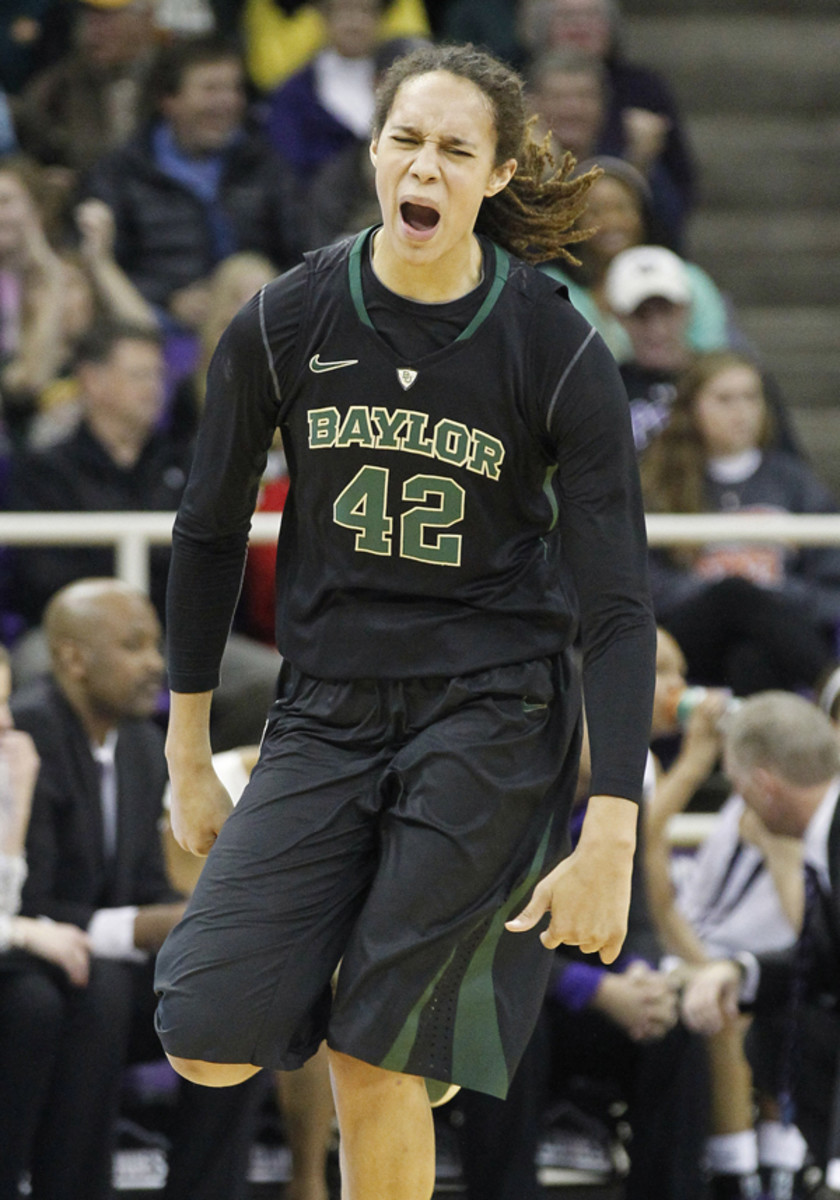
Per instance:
(588,894)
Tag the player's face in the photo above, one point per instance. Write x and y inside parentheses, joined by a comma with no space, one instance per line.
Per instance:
(435,163)
(729,411)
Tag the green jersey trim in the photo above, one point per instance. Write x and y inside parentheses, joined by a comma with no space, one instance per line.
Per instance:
(355,269)
(501,269)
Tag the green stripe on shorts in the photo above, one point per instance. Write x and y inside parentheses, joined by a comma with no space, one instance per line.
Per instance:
(476,1034)
(397,1057)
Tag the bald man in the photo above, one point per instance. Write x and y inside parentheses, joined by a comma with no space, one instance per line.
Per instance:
(95,859)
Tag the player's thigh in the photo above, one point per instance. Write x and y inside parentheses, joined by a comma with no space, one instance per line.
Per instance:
(480,791)
(245,970)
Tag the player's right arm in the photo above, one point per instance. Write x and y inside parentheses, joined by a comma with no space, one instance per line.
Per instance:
(210,539)
(200,804)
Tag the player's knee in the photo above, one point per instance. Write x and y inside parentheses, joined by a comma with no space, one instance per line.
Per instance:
(210,1074)
(361,1083)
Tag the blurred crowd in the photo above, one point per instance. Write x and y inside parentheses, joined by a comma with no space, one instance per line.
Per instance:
(162,160)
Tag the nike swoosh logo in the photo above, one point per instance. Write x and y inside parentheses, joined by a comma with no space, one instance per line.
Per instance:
(317,366)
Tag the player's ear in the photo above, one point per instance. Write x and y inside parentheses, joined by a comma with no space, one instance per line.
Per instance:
(373,149)
(500,177)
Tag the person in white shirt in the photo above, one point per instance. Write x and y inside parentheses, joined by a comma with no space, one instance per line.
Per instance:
(782,754)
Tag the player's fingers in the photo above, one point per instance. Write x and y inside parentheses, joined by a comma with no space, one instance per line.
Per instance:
(551,938)
(611,949)
(197,844)
(530,915)
(589,945)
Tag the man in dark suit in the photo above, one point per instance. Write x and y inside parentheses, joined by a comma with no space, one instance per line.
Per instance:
(95,859)
(783,756)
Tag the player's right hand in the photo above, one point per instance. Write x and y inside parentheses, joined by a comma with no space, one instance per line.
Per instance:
(200,807)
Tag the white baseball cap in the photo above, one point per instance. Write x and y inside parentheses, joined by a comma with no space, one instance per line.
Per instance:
(637,274)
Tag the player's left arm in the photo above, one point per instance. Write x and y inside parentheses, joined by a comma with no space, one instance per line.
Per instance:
(602,530)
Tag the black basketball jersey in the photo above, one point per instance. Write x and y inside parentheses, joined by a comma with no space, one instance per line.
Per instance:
(418,537)
(446,514)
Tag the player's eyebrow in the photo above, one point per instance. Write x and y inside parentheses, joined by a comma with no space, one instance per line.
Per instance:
(446,140)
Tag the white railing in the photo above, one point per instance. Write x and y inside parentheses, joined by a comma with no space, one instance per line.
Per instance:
(133,533)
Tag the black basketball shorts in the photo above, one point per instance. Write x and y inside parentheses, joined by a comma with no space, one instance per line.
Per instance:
(391,826)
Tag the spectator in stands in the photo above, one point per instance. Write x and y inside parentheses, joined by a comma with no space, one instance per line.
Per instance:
(341,195)
(195,185)
(95,859)
(740,891)
(649,289)
(642,124)
(281,36)
(619,215)
(746,616)
(782,755)
(327,106)
(48,299)
(119,460)
(567,91)
(570,93)
(88,102)
(233,282)
(115,460)
(24,941)
(31,295)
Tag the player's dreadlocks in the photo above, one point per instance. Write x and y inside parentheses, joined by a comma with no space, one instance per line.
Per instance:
(534,216)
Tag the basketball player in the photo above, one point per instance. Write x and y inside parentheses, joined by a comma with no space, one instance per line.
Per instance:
(463,485)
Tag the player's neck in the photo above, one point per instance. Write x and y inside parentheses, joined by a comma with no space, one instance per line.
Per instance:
(434,282)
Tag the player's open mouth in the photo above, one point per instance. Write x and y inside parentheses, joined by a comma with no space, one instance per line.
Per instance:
(419,220)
